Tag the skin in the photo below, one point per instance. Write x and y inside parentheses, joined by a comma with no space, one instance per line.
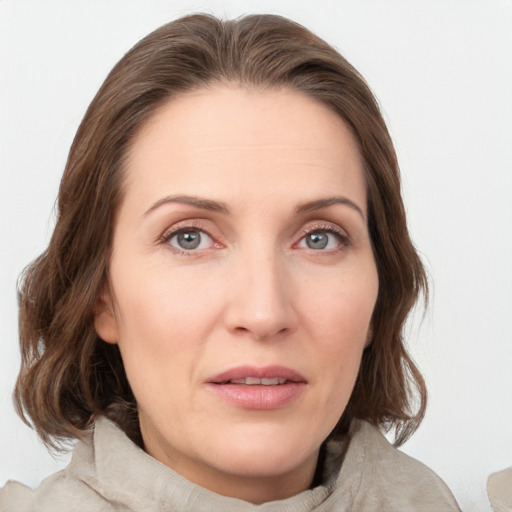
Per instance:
(252,293)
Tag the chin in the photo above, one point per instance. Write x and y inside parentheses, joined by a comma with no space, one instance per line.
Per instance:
(263,452)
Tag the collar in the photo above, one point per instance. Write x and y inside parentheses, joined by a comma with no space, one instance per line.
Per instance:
(126,476)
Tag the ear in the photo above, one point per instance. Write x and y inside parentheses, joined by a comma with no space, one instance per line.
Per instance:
(105,322)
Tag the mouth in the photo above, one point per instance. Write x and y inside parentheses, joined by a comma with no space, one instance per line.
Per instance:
(271,387)
(254,376)
(254,381)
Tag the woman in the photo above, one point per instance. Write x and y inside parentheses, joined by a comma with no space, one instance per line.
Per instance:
(218,317)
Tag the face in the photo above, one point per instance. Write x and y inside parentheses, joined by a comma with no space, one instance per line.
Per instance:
(242,285)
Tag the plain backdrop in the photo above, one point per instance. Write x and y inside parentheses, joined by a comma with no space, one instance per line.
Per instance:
(442,71)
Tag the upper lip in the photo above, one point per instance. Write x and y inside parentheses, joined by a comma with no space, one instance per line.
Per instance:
(266,372)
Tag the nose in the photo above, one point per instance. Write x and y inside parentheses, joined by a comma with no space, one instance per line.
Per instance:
(261,305)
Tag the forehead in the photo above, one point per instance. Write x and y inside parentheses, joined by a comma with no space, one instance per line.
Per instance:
(229,141)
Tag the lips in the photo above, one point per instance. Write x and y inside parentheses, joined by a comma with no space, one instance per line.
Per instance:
(252,373)
(266,388)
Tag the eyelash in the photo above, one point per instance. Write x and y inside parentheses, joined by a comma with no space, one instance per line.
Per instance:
(344,239)
(176,230)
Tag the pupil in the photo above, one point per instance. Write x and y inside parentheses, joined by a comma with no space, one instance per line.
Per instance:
(189,239)
(317,240)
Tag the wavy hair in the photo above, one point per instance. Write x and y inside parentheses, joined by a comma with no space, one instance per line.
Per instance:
(68,374)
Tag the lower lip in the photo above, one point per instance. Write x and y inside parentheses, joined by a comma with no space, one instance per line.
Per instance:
(259,397)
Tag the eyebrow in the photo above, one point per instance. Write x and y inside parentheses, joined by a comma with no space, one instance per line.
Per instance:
(219,207)
(319,204)
(203,204)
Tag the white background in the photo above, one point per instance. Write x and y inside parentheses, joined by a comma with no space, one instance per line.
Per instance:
(442,71)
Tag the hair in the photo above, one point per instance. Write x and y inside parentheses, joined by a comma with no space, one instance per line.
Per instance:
(68,374)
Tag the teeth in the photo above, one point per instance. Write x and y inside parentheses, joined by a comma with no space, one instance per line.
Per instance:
(253,381)
(273,382)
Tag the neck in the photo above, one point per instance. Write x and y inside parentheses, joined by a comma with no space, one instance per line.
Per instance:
(260,489)
(253,488)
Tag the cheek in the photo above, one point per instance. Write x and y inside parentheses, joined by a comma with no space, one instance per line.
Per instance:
(339,321)
(342,308)
(161,299)
(165,317)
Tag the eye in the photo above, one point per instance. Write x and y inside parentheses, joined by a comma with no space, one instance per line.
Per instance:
(323,239)
(190,240)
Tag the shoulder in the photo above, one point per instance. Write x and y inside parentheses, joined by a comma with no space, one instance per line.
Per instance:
(499,490)
(57,492)
(65,490)
(384,478)
(16,497)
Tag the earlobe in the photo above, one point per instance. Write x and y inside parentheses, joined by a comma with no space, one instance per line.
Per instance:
(105,322)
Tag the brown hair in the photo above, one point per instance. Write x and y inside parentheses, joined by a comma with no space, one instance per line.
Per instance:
(68,374)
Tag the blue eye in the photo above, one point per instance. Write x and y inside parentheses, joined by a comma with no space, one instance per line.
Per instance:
(320,240)
(190,240)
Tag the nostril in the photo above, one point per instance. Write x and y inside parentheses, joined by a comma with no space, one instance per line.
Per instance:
(261,334)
